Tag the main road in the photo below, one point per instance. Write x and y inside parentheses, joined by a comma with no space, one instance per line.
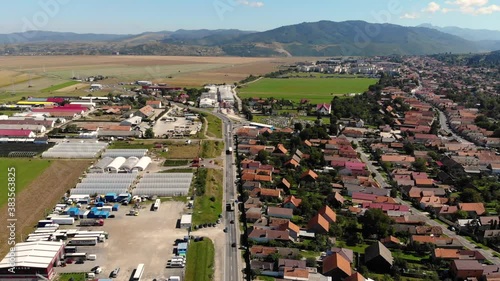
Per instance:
(233,264)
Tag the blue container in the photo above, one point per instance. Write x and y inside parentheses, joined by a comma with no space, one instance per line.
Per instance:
(115,207)
(100,204)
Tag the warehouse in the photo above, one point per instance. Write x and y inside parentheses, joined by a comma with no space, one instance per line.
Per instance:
(30,259)
(186,221)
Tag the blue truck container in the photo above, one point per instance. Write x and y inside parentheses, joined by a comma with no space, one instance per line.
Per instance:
(116,207)
(73,212)
(111,197)
(100,204)
(124,196)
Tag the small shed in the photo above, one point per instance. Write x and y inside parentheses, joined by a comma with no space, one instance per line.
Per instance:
(186,221)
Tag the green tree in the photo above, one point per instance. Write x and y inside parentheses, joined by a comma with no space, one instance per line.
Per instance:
(298,127)
(470,195)
(149,134)
(375,222)
(420,165)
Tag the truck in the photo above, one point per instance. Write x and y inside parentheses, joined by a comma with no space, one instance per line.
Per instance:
(91,222)
(83,241)
(63,220)
(100,237)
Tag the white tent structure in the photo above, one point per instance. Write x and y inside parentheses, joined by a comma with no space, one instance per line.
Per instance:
(125,153)
(129,164)
(142,164)
(75,150)
(100,166)
(105,183)
(114,166)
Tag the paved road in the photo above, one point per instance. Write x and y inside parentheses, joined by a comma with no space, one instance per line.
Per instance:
(232,258)
(373,169)
(444,125)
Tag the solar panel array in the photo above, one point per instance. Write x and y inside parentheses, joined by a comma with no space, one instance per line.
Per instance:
(74,150)
(167,184)
(105,183)
(125,153)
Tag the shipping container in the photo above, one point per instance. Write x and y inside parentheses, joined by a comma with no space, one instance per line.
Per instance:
(63,220)
(116,207)
(70,249)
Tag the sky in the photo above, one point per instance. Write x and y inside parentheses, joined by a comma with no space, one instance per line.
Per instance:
(136,16)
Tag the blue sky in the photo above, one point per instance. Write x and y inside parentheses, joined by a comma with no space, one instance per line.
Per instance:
(136,16)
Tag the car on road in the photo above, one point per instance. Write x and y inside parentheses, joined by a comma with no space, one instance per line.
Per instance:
(96,269)
(231,221)
(225,229)
(234,244)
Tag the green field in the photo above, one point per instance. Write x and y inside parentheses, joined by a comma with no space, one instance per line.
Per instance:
(60,86)
(214,129)
(211,149)
(8,112)
(208,207)
(72,276)
(317,90)
(200,261)
(26,170)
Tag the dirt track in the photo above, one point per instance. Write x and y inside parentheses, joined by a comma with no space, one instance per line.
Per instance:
(41,196)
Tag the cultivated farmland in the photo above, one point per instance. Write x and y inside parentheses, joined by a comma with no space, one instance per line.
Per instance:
(317,90)
(40,194)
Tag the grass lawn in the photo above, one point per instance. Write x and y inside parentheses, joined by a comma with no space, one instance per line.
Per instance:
(76,276)
(206,210)
(60,86)
(310,254)
(174,163)
(138,144)
(409,256)
(214,126)
(9,112)
(26,170)
(317,90)
(266,278)
(182,151)
(211,149)
(360,248)
(200,261)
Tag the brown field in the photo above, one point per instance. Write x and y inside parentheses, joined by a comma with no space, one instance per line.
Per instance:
(40,196)
(79,86)
(185,71)
(10,77)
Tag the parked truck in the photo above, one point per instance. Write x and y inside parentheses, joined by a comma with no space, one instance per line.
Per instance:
(91,222)
(63,220)
(84,241)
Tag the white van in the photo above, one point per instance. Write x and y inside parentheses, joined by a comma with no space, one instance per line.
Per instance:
(91,257)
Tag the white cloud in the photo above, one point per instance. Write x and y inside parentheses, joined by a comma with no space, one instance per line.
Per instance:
(432,7)
(487,10)
(410,16)
(252,4)
(473,7)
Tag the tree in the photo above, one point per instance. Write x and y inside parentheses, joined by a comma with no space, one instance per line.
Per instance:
(420,165)
(298,127)
(470,195)
(263,156)
(149,134)
(311,262)
(375,222)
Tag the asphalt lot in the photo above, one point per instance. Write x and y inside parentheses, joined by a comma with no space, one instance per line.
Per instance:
(179,126)
(147,238)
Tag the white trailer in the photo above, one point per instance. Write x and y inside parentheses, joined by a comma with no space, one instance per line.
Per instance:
(84,241)
(100,237)
(42,230)
(63,220)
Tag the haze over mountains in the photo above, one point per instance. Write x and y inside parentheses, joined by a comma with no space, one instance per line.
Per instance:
(323,38)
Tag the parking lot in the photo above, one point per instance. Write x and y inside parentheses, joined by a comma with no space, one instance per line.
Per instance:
(172,124)
(147,238)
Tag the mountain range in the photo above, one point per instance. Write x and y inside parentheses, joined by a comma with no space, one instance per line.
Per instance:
(323,38)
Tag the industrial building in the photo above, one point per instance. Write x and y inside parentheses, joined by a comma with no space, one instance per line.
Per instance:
(30,260)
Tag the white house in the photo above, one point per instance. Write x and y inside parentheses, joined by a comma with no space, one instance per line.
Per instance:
(95,87)
(324,108)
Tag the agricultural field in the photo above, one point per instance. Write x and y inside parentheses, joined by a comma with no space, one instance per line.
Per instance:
(317,90)
(26,170)
(40,193)
(60,86)
(179,71)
